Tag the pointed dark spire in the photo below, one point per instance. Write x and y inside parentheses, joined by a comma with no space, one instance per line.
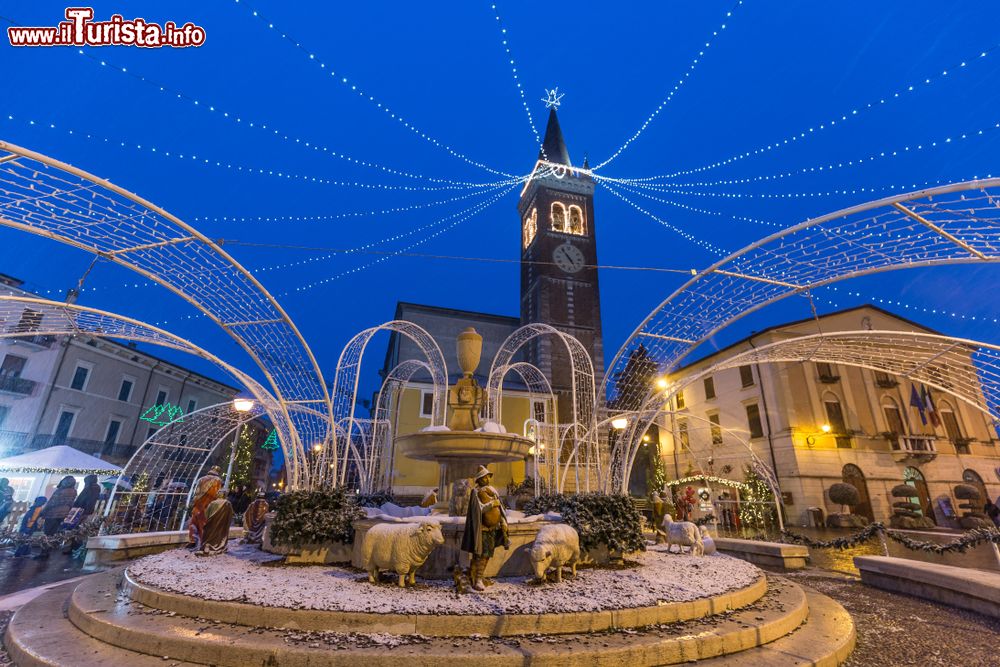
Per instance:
(586,161)
(553,146)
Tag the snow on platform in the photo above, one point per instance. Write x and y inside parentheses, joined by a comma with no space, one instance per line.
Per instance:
(246,574)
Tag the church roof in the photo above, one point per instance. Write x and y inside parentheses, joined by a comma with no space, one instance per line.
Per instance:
(554,146)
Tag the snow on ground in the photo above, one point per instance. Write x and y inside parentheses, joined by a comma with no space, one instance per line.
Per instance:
(244,575)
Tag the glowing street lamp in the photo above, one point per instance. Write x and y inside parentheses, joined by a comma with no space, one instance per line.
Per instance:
(243,405)
(619,424)
(811,439)
(661,383)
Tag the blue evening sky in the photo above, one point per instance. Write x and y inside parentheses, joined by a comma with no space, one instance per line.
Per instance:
(779,68)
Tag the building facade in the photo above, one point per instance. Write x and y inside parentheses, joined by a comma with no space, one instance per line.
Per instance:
(819,424)
(86,392)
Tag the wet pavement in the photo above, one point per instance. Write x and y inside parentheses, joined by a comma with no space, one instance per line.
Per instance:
(17,574)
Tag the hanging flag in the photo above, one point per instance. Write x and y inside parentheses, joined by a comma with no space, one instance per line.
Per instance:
(915,402)
(932,412)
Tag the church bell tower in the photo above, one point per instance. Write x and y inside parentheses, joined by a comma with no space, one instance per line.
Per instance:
(559,262)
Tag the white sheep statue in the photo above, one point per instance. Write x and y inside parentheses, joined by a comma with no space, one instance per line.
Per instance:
(555,545)
(399,547)
(707,543)
(683,534)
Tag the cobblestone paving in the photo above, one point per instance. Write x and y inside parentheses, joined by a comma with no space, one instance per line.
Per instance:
(4,620)
(900,630)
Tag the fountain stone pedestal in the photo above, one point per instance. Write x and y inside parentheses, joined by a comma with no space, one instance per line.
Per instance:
(467,443)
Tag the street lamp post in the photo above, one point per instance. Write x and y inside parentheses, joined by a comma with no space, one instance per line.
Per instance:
(240,405)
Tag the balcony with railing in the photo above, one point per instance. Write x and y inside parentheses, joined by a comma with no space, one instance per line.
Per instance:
(917,447)
(12,384)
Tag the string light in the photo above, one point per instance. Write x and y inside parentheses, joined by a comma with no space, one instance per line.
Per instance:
(695,209)
(240,119)
(373,244)
(517,80)
(797,195)
(900,304)
(305,178)
(693,239)
(470,214)
(670,95)
(843,117)
(353,87)
(334,216)
(827,167)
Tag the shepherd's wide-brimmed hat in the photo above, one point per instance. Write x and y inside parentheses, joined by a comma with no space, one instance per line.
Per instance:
(482,472)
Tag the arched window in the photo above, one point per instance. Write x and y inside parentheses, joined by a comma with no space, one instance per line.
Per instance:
(972,478)
(558,217)
(851,474)
(893,421)
(576,222)
(530,227)
(951,427)
(915,478)
(835,418)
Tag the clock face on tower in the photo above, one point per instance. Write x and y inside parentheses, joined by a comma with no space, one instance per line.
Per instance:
(568,258)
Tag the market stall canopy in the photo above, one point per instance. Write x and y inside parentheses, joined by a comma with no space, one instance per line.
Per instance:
(58,459)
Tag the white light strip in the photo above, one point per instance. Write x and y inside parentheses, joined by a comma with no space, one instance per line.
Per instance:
(693,239)
(343,80)
(517,80)
(791,139)
(200,159)
(670,95)
(832,166)
(905,187)
(899,304)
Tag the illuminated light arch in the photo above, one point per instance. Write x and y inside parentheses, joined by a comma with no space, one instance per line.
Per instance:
(51,318)
(54,200)
(345,393)
(380,459)
(545,434)
(966,369)
(165,466)
(582,421)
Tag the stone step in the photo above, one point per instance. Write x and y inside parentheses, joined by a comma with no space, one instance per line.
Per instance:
(826,640)
(97,610)
(494,625)
(40,635)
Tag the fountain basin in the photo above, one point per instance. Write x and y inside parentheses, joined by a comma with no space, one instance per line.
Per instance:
(472,447)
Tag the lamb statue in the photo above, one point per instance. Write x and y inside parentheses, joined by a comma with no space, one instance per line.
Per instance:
(400,547)
(707,543)
(555,545)
(683,534)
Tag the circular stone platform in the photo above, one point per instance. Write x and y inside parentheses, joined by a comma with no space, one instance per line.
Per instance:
(246,586)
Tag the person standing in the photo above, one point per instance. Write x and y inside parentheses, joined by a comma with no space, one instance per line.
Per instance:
(6,503)
(485,527)
(56,508)
(30,522)
(86,502)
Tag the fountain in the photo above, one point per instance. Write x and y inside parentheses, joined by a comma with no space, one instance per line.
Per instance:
(467,442)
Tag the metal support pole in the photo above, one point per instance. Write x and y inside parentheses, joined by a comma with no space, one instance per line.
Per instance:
(232,457)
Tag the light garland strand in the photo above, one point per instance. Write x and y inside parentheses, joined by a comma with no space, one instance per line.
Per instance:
(238,118)
(690,237)
(353,87)
(673,91)
(895,303)
(695,209)
(946,141)
(373,244)
(798,195)
(333,216)
(517,80)
(472,213)
(811,131)
(200,159)
(469,213)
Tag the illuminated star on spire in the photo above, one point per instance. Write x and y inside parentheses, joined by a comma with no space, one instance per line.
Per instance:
(552,98)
